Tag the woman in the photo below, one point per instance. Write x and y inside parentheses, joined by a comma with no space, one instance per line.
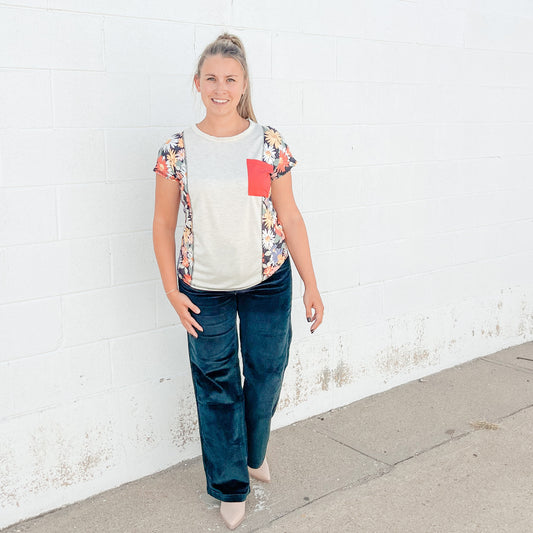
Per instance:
(232,176)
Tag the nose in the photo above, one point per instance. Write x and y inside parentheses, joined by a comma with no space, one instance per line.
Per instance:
(221,85)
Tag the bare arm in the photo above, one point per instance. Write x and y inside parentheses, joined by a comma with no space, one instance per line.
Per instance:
(167,201)
(298,243)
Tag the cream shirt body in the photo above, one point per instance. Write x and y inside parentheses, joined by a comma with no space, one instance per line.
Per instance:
(226,220)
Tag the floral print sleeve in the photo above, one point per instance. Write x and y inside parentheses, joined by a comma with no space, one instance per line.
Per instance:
(171,159)
(277,153)
(172,164)
(275,249)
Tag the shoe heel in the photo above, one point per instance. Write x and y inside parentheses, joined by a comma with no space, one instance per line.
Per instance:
(262,473)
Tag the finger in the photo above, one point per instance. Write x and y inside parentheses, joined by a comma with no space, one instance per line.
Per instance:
(195,324)
(317,319)
(308,312)
(315,325)
(194,308)
(188,327)
(319,316)
(311,319)
(187,323)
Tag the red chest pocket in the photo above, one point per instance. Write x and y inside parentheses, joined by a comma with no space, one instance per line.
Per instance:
(258,177)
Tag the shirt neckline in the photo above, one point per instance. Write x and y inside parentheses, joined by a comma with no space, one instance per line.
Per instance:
(228,138)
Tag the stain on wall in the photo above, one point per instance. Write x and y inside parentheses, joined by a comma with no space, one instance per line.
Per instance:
(184,424)
(36,461)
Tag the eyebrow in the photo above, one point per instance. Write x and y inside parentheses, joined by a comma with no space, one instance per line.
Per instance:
(234,75)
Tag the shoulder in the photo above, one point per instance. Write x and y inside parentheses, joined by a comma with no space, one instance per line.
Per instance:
(274,138)
(271,133)
(171,161)
(174,147)
(174,142)
(277,152)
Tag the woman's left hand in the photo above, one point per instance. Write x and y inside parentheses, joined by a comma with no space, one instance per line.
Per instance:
(312,300)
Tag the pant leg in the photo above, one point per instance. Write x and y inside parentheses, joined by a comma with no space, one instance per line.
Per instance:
(219,396)
(266,333)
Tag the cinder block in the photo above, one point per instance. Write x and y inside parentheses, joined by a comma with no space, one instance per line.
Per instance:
(100,99)
(312,145)
(256,14)
(25,99)
(287,98)
(298,56)
(21,225)
(200,11)
(157,422)
(351,308)
(146,40)
(131,153)
(133,258)
(172,101)
(89,370)
(42,317)
(57,448)
(6,390)
(338,269)
(514,237)
(58,153)
(76,40)
(103,209)
(40,381)
(319,229)
(43,39)
(346,225)
(107,313)
(484,67)
(306,378)
(398,62)
(498,31)
(158,355)
(50,269)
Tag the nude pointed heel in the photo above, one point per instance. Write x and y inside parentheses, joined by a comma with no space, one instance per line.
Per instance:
(262,473)
(232,513)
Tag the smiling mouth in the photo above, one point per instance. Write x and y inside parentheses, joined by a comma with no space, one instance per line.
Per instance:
(217,101)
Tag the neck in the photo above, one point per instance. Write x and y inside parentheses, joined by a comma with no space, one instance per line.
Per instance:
(223,126)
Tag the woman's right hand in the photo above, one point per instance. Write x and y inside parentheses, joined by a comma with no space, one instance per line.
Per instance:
(182,304)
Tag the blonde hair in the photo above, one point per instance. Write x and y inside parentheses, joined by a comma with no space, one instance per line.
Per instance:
(229,45)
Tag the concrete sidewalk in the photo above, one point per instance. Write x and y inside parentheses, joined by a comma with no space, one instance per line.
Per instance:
(452,452)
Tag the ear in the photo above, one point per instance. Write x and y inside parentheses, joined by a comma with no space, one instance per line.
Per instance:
(197,83)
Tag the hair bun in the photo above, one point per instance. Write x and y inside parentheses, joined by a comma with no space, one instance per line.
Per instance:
(232,38)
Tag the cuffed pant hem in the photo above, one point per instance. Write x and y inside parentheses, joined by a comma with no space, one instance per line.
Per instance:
(228,497)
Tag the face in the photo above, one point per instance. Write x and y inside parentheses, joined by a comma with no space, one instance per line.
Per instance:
(221,84)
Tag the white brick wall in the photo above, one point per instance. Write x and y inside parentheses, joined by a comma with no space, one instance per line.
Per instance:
(412,124)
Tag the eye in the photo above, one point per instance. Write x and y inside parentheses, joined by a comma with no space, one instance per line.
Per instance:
(210,78)
(231,79)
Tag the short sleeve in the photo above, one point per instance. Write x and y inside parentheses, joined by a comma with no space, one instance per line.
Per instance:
(277,152)
(171,163)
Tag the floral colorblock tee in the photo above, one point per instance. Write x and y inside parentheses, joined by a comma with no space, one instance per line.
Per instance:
(232,238)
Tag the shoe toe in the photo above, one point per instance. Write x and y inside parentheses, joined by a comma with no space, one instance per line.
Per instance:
(232,513)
